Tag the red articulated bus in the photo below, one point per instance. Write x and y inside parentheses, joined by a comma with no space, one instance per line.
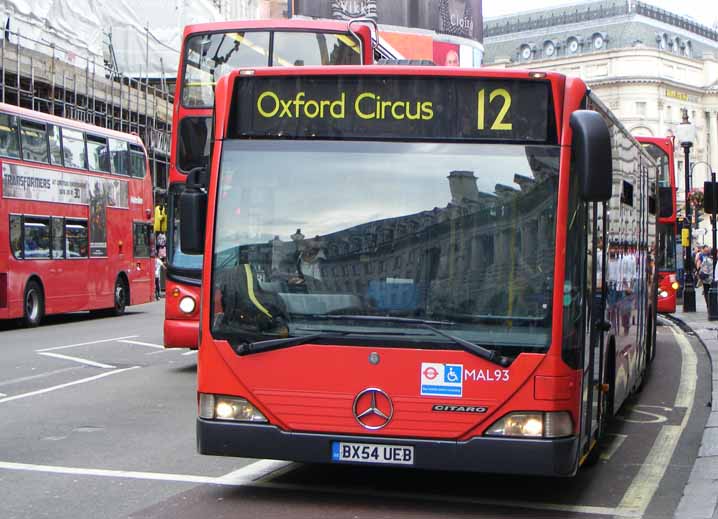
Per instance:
(75,217)
(408,266)
(662,151)
(210,50)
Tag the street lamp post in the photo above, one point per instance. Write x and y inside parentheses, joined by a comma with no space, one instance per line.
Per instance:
(713,293)
(686,134)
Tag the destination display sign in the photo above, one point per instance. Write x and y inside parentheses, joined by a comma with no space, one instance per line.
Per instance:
(386,108)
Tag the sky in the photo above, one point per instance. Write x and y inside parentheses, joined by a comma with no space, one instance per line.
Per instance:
(703,11)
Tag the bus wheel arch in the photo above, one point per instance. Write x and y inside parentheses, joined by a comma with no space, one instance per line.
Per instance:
(121,294)
(33,302)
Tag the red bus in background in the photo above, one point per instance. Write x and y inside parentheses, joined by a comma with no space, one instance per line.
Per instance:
(208,51)
(410,268)
(661,149)
(75,217)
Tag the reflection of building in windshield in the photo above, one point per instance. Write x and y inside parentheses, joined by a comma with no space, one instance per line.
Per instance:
(483,253)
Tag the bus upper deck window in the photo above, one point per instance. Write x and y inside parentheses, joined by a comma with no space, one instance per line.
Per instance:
(310,49)
(119,157)
(98,154)
(34,141)
(8,136)
(137,161)
(73,148)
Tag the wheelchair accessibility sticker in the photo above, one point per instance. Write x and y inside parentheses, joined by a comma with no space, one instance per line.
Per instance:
(441,379)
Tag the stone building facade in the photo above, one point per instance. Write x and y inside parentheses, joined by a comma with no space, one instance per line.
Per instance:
(645,63)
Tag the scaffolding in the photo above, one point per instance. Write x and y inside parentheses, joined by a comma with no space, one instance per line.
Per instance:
(54,80)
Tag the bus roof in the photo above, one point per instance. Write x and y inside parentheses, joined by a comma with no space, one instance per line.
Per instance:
(273,24)
(69,123)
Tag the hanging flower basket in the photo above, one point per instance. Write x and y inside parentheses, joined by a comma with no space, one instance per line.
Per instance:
(695,197)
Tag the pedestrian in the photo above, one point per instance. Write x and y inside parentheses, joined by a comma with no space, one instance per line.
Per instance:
(706,272)
(159,265)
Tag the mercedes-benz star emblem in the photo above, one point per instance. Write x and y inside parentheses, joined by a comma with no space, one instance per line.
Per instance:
(373,408)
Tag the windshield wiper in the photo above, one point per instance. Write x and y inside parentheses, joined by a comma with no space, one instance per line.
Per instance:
(484,353)
(247,348)
(379,319)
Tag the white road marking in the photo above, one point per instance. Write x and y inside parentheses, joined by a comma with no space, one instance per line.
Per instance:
(644,485)
(39,375)
(190,352)
(2,394)
(250,475)
(77,359)
(608,451)
(140,343)
(557,507)
(55,348)
(245,475)
(62,386)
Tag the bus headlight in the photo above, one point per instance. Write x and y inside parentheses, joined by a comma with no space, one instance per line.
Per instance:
(228,408)
(187,304)
(675,285)
(554,424)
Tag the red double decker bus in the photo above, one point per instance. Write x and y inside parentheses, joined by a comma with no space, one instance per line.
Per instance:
(210,50)
(662,151)
(410,266)
(75,217)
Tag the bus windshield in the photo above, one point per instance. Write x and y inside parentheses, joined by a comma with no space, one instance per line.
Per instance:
(309,233)
(661,158)
(209,56)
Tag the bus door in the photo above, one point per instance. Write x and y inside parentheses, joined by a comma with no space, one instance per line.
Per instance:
(596,324)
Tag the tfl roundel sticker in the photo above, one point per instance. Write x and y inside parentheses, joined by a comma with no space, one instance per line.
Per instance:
(441,379)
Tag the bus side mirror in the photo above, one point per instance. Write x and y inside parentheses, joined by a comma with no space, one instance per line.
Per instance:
(193,213)
(592,156)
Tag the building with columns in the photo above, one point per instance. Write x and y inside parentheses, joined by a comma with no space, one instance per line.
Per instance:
(645,63)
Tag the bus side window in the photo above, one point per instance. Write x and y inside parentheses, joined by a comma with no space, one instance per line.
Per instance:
(119,157)
(33,137)
(137,161)
(16,235)
(76,238)
(73,148)
(8,136)
(58,237)
(98,156)
(141,240)
(55,145)
(36,237)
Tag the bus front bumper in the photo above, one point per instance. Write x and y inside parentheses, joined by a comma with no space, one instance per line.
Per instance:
(481,454)
(181,333)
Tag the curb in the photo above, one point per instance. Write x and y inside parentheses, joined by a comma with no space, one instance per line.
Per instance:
(700,495)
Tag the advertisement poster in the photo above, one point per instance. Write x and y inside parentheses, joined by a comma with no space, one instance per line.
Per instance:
(46,185)
(456,17)
(446,54)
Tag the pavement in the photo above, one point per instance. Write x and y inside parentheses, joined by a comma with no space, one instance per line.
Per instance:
(700,496)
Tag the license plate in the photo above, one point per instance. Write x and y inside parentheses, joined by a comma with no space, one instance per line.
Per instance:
(373,453)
